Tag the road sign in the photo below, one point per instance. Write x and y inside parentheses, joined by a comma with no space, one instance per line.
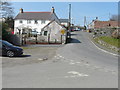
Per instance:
(62,31)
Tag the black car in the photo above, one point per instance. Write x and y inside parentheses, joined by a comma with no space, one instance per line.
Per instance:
(9,49)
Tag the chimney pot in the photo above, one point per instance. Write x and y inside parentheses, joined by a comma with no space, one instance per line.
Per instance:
(21,10)
(97,18)
(53,10)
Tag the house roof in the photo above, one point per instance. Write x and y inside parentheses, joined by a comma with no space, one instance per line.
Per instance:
(50,23)
(34,16)
(63,20)
(102,24)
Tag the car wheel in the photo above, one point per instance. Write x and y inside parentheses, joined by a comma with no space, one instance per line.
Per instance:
(10,53)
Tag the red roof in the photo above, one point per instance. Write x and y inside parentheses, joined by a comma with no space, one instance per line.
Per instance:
(103,24)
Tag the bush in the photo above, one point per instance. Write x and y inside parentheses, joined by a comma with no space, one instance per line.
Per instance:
(5,34)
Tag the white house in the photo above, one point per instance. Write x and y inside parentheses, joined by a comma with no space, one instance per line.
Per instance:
(92,24)
(33,21)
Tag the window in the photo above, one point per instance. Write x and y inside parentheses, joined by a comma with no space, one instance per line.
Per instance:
(28,21)
(45,33)
(42,21)
(20,21)
(36,22)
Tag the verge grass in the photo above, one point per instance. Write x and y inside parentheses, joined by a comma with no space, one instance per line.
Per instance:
(110,40)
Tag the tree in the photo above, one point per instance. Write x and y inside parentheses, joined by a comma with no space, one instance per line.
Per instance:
(5,34)
(10,22)
(6,10)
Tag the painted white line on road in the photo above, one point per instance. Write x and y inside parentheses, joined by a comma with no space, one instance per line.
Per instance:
(78,74)
(40,59)
(103,49)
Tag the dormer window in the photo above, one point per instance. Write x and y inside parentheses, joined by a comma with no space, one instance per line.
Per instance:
(20,21)
(36,22)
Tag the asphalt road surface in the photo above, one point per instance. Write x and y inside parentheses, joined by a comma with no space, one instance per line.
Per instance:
(78,64)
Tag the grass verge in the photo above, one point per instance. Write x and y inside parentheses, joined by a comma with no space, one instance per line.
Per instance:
(110,40)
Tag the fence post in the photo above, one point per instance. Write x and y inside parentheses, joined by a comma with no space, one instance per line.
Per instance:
(61,39)
(36,39)
(49,38)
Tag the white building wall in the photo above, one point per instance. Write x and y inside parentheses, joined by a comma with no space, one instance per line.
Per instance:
(31,25)
(66,24)
(54,32)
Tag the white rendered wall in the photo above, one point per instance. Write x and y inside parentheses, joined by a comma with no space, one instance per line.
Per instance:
(31,25)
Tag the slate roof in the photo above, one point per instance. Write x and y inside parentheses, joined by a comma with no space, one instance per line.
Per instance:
(63,20)
(50,23)
(34,16)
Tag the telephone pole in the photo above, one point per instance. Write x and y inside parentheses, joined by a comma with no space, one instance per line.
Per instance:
(69,21)
(109,16)
(85,22)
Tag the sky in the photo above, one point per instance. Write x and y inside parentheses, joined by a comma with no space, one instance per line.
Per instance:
(102,10)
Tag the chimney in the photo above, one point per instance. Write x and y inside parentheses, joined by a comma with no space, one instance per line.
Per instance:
(96,18)
(53,10)
(21,10)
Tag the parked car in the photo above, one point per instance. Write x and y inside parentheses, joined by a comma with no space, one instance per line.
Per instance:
(9,49)
(78,29)
(72,30)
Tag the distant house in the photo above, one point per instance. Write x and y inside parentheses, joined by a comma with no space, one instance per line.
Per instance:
(33,21)
(64,22)
(96,24)
(105,24)
(54,32)
(92,24)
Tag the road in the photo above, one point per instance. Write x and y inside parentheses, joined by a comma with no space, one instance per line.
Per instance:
(78,64)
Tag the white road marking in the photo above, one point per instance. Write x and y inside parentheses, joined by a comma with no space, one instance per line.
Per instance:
(40,59)
(71,63)
(77,74)
(103,49)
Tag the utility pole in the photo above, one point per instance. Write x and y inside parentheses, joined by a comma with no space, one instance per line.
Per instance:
(69,20)
(109,16)
(85,22)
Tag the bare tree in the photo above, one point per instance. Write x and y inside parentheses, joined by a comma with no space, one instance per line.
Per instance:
(5,9)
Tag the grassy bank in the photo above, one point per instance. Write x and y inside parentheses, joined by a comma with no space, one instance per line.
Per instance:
(110,40)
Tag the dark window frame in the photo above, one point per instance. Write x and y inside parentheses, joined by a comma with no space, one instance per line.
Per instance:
(36,21)
(20,21)
(45,33)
